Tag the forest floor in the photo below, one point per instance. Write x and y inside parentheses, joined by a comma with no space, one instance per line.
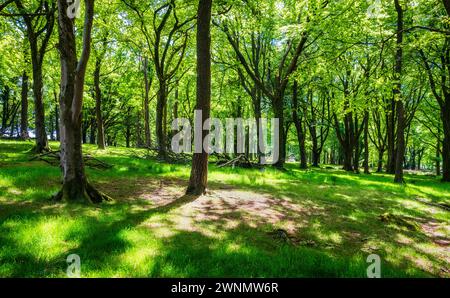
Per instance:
(331,221)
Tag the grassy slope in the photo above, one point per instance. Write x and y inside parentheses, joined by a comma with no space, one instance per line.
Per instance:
(150,230)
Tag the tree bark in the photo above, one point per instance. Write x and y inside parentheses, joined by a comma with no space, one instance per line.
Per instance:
(160,108)
(148,140)
(37,58)
(366,143)
(199,173)
(398,97)
(98,106)
(445,115)
(299,127)
(278,110)
(24,110)
(75,184)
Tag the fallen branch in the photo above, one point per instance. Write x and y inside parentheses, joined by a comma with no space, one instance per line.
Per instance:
(53,158)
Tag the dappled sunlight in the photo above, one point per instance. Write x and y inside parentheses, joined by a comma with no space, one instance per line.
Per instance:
(152,229)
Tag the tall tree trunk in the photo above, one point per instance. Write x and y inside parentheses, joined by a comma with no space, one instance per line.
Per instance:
(438,153)
(41,134)
(199,173)
(390,127)
(37,57)
(56,115)
(160,107)
(398,97)
(259,131)
(298,125)
(24,110)
(380,161)
(98,106)
(75,184)
(366,143)
(445,115)
(5,111)
(148,141)
(278,110)
(92,131)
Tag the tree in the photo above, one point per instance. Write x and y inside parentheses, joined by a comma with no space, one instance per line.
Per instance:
(199,173)
(397,92)
(75,184)
(39,28)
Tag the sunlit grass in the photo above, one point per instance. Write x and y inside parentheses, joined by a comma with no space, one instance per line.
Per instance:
(333,215)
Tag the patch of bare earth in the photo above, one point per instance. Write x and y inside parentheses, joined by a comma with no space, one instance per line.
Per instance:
(223,206)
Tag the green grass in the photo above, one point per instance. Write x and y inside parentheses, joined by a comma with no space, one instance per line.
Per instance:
(151,230)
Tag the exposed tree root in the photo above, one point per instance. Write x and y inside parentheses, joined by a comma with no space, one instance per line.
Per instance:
(36,150)
(89,194)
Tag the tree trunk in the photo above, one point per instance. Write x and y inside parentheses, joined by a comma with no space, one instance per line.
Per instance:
(298,125)
(5,111)
(92,131)
(398,97)
(160,108)
(199,173)
(438,153)
(56,116)
(75,184)
(148,141)
(380,161)
(356,156)
(400,143)
(98,106)
(24,110)
(445,115)
(390,127)
(278,110)
(41,134)
(366,143)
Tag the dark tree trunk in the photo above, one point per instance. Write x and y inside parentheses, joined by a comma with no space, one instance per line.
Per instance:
(356,156)
(24,110)
(278,110)
(438,153)
(98,106)
(13,121)
(148,140)
(380,161)
(5,112)
(412,161)
(41,134)
(199,174)
(92,131)
(445,115)
(366,143)
(56,116)
(37,58)
(75,184)
(259,131)
(128,131)
(298,125)
(160,108)
(398,97)
(390,127)
(52,128)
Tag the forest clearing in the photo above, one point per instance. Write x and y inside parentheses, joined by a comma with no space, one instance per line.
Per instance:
(334,220)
